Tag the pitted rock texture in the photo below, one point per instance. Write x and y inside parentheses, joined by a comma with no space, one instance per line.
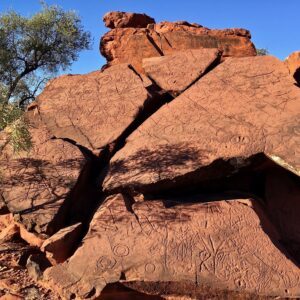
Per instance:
(228,244)
(35,184)
(293,63)
(132,45)
(119,19)
(175,72)
(93,109)
(243,107)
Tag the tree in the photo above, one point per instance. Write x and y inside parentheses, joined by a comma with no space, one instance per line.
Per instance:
(262,51)
(32,50)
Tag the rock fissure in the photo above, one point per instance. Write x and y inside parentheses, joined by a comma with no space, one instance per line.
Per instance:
(151,40)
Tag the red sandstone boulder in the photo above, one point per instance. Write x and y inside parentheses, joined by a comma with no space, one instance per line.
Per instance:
(243,107)
(118,19)
(176,72)
(228,244)
(35,184)
(293,63)
(93,109)
(132,45)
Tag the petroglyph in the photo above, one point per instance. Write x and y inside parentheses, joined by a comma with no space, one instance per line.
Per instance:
(233,250)
(34,184)
(174,73)
(243,107)
(85,108)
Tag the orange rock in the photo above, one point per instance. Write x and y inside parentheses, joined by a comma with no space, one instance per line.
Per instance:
(9,232)
(293,63)
(132,45)
(60,245)
(93,109)
(11,297)
(176,72)
(31,238)
(243,107)
(228,244)
(36,183)
(118,19)
(6,220)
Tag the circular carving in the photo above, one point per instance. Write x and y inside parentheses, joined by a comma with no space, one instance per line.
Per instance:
(150,268)
(106,263)
(121,250)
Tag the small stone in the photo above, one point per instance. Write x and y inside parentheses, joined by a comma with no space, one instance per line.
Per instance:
(60,245)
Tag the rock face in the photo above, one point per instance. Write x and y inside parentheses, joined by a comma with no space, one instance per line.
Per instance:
(221,243)
(118,19)
(172,173)
(35,184)
(84,108)
(243,107)
(293,63)
(132,45)
(174,73)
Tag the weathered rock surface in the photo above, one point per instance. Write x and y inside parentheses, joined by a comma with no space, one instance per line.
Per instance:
(228,244)
(293,63)
(93,109)
(132,45)
(119,19)
(175,72)
(133,192)
(243,107)
(36,183)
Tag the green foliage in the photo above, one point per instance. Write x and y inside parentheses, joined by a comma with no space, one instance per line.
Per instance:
(262,51)
(12,120)
(32,50)
(20,138)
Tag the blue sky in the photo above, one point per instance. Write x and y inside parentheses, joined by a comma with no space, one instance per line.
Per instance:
(274,24)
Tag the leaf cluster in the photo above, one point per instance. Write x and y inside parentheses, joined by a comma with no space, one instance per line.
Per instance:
(32,50)
(262,51)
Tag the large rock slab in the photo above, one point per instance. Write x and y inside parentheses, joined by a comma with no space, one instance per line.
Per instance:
(175,72)
(120,19)
(93,109)
(132,45)
(243,107)
(34,184)
(226,244)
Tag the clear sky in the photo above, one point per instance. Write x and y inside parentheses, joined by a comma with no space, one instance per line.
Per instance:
(274,24)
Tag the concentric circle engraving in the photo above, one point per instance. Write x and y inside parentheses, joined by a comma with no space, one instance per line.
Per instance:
(106,263)
(150,268)
(121,250)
